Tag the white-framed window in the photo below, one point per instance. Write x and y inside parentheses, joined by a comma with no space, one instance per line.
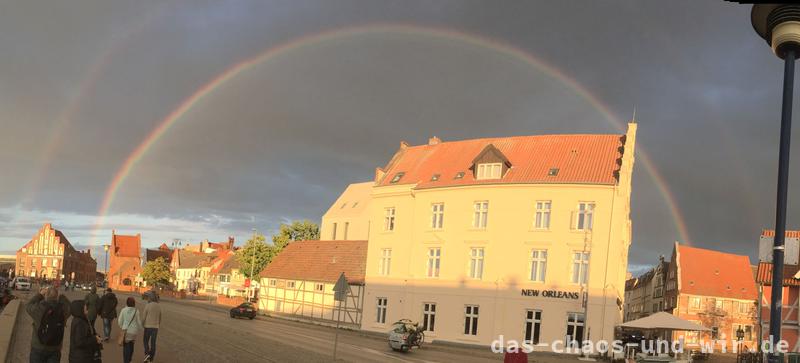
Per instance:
(318,287)
(692,337)
(429,316)
(745,308)
(471,319)
(434,260)
(575,323)
(476,255)
(290,284)
(694,302)
(719,304)
(580,267)
(381,304)
(538,265)
(542,220)
(55,262)
(333,235)
(490,171)
(389,219)
(533,324)
(585,218)
(481,214)
(437,215)
(385,266)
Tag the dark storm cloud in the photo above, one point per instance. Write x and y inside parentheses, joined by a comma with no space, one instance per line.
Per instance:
(280,141)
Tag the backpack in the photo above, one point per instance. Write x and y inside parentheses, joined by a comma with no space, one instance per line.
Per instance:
(51,327)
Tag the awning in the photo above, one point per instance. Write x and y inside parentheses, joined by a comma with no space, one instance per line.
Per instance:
(663,320)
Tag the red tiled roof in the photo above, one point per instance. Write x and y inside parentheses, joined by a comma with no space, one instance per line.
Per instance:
(788,234)
(321,261)
(583,159)
(126,246)
(713,273)
(764,274)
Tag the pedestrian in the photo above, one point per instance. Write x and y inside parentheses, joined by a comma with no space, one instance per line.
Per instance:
(130,323)
(108,311)
(49,312)
(151,319)
(84,344)
(92,302)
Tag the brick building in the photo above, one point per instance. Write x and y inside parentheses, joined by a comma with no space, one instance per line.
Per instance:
(790,327)
(714,289)
(125,261)
(50,255)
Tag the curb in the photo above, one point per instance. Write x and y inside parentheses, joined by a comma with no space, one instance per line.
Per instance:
(8,318)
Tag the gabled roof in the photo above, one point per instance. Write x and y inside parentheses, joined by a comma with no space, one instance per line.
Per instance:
(713,273)
(189,259)
(580,159)
(764,274)
(126,246)
(321,261)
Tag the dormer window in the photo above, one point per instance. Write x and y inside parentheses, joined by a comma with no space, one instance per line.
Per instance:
(397,177)
(489,171)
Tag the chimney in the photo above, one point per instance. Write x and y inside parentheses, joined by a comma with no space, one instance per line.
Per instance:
(379,173)
(434,141)
(230,242)
(403,145)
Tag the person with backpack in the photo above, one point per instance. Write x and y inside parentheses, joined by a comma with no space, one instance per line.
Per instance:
(108,311)
(92,302)
(84,344)
(151,319)
(49,313)
(131,324)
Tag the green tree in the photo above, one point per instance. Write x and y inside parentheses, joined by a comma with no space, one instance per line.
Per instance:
(156,272)
(297,231)
(254,256)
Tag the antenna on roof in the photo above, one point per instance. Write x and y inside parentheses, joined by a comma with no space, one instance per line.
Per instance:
(633,119)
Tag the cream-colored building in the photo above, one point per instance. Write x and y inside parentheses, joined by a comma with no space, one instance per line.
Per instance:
(502,236)
(348,217)
(299,282)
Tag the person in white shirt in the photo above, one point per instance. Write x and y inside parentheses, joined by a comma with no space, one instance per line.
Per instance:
(131,324)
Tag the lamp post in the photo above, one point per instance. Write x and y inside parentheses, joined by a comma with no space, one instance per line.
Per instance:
(779,25)
(252,267)
(105,248)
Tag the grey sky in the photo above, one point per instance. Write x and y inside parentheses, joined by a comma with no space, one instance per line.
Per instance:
(281,140)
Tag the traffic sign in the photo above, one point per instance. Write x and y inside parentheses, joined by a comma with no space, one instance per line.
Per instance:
(341,288)
(247,283)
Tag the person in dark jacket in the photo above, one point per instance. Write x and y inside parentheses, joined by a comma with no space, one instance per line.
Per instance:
(84,344)
(108,311)
(37,307)
(92,301)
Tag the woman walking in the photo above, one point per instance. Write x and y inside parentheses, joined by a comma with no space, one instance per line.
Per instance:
(130,323)
(84,344)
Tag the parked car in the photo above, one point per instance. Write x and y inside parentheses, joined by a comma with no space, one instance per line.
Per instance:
(86,287)
(247,310)
(21,283)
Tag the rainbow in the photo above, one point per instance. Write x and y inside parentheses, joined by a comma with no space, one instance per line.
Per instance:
(309,40)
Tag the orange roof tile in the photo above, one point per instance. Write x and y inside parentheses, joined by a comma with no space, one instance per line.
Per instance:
(583,159)
(320,261)
(126,246)
(764,274)
(713,273)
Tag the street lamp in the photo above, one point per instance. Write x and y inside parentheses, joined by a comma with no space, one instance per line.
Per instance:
(252,267)
(779,25)
(105,248)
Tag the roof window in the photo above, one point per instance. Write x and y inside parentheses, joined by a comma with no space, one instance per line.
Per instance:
(397,177)
(552,172)
(435,177)
(459,175)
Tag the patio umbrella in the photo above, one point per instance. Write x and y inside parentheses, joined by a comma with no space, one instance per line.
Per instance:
(663,320)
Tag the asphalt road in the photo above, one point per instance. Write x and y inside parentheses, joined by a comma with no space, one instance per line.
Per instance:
(195,332)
